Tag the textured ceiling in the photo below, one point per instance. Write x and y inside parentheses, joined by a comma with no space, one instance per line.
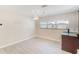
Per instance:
(37,10)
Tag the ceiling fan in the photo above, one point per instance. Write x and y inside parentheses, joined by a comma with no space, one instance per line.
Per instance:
(43,12)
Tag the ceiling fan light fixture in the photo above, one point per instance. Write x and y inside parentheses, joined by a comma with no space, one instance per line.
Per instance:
(36,18)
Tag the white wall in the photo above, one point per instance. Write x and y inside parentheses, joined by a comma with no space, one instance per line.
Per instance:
(16,25)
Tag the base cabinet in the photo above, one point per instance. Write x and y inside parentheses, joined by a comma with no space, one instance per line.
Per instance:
(70,43)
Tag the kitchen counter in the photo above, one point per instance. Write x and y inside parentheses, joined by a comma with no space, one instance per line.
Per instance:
(70,34)
(70,42)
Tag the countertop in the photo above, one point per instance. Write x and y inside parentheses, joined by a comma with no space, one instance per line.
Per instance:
(70,34)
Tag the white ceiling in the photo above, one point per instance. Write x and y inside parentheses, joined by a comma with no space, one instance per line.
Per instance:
(52,10)
(34,10)
(37,10)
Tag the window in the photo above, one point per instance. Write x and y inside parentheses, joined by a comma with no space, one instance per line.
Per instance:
(51,24)
(54,24)
(43,24)
(62,24)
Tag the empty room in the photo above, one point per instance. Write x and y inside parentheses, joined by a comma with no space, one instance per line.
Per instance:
(39,29)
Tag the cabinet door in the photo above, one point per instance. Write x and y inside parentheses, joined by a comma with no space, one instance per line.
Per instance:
(69,44)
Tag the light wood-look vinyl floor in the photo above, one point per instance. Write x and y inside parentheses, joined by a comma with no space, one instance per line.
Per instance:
(34,46)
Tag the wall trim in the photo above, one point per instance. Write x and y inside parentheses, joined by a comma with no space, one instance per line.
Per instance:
(12,43)
(49,38)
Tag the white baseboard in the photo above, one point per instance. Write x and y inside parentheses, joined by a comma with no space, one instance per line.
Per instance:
(29,37)
(12,43)
(48,38)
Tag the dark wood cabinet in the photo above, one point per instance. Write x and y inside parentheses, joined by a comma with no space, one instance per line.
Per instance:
(70,43)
